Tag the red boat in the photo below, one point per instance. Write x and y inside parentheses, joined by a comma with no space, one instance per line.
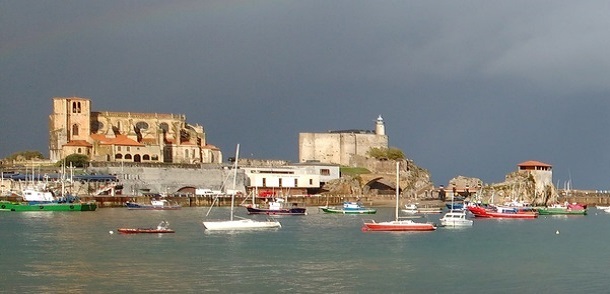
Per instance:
(145,231)
(502,213)
(162,228)
(397,225)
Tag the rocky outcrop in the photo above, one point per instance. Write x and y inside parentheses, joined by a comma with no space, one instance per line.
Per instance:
(414,180)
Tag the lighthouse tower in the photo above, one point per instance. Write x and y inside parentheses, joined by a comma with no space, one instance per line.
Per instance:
(379,126)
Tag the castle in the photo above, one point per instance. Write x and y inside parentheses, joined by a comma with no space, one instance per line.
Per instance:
(125,136)
(338,147)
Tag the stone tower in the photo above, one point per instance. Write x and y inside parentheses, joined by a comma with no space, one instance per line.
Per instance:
(70,121)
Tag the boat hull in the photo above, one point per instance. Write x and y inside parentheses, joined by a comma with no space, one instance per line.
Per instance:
(398,226)
(561,211)
(282,211)
(19,206)
(484,213)
(348,211)
(144,231)
(243,224)
(136,206)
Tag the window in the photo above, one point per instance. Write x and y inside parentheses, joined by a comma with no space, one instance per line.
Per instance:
(79,150)
(186,153)
(264,182)
(75,130)
(325,172)
(311,181)
(127,156)
(296,183)
(280,182)
(146,157)
(128,148)
(118,156)
(118,148)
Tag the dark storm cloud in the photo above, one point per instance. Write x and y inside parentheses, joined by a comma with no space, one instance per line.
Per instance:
(465,87)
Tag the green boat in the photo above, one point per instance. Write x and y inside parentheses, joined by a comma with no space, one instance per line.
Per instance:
(561,211)
(36,200)
(24,206)
(349,208)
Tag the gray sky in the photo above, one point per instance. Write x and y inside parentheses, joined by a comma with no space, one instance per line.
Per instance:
(466,88)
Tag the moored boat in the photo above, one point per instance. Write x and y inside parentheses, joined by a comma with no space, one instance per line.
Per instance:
(498,212)
(349,207)
(456,218)
(398,224)
(277,207)
(155,204)
(568,209)
(37,200)
(162,228)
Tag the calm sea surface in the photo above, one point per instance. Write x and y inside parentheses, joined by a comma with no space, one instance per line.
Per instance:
(55,252)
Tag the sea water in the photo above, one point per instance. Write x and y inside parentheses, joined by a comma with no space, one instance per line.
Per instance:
(81,252)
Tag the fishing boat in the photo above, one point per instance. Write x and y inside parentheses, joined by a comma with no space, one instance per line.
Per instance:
(502,212)
(40,200)
(238,224)
(155,204)
(349,207)
(162,228)
(456,218)
(277,206)
(566,209)
(397,224)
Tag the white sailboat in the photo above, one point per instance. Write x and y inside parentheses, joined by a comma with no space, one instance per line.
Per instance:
(241,223)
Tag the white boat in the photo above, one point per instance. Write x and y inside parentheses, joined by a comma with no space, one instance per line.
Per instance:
(242,223)
(455,218)
(397,224)
(410,209)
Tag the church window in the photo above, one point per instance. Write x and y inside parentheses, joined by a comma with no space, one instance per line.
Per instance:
(75,130)
(79,150)
(141,125)
(164,127)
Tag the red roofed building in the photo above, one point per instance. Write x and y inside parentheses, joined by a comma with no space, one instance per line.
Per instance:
(542,173)
(125,136)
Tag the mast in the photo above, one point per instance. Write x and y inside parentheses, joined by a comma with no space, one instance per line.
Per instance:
(397,186)
(234,180)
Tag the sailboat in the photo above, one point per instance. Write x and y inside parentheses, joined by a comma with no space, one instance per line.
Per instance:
(397,224)
(241,223)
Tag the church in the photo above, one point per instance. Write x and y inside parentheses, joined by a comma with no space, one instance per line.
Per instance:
(125,136)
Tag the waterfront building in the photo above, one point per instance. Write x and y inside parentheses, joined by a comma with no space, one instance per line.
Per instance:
(338,147)
(290,179)
(125,136)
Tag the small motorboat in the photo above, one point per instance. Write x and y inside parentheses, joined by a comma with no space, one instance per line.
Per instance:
(162,228)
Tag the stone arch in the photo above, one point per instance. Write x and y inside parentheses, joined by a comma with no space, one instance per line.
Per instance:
(382,185)
(146,157)
(118,156)
(137,158)
(187,190)
(128,156)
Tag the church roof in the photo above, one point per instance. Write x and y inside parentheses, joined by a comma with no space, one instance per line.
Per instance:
(81,143)
(118,140)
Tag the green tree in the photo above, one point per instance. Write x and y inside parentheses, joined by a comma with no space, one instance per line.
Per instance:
(386,153)
(77,160)
(25,155)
